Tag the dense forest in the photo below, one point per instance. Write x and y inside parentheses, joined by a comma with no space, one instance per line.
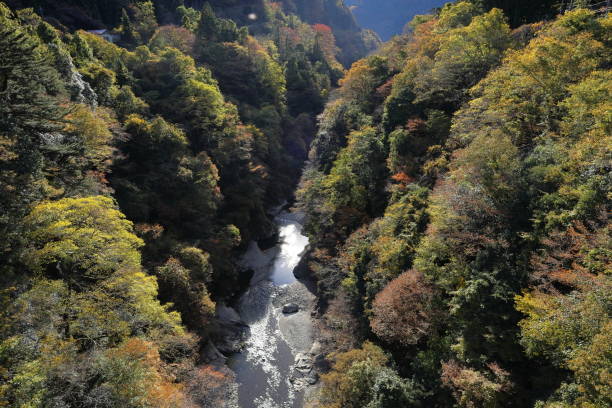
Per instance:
(455,181)
(458,195)
(131,171)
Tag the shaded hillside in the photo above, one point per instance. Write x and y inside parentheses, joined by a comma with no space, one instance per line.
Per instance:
(388,17)
(352,40)
(354,43)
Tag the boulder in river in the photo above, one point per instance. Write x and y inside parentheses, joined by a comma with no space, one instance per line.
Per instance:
(312,380)
(291,308)
(303,363)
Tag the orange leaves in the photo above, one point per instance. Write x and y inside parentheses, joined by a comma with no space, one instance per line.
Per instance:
(416,126)
(151,231)
(209,386)
(385,89)
(276,6)
(473,388)
(356,79)
(210,378)
(149,382)
(574,257)
(138,350)
(322,28)
(169,395)
(402,178)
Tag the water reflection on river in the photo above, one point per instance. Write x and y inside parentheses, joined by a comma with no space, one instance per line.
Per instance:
(263,369)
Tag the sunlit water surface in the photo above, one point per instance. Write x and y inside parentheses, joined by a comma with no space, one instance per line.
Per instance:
(263,369)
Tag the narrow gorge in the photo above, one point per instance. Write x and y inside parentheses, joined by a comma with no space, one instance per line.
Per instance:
(444,238)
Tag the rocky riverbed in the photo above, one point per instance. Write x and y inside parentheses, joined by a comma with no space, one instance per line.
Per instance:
(273,323)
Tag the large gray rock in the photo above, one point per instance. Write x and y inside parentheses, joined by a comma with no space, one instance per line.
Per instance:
(291,308)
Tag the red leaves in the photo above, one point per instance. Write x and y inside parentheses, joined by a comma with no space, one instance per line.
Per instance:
(326,40)
(322,28)
(573,257)
(385,89)
(402,312)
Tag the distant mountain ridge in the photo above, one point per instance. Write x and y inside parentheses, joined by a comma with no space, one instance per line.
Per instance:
(388,17)
(353,41)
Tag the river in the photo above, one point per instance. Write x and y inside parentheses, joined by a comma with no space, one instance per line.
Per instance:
(275,367)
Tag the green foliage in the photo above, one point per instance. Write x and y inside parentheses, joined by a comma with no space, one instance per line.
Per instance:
(189,17)
(512,139)
(105,52)
(355,178)
(388,248)
(473,157)
(30,116)
(90,296)
(212,29)
(454,55)
(360,378)
(83,239)
(363,79)
(126,103)
(128,33)
(138,23)
(82,51)
(160,151)
(101,79)
(558,326)
(175,37)
(191,131)
(186,288)
(347,195)
(144,19)
(522,11)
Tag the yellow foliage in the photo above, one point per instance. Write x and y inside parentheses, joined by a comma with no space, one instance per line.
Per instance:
(82,236)
(93,129)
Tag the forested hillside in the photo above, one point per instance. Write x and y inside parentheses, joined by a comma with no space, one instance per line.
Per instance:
(258,15)
(455,186)
(389,17)
(132,175)
(458,200)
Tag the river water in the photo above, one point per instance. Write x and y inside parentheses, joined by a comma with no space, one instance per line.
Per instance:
(271,372)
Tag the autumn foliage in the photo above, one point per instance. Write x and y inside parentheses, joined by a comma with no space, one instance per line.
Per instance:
(403,312)
(491,187)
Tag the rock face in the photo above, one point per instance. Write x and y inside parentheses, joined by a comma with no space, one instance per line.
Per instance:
(229,332)
(302,271)
(290,308)
(303,371)
(80,90)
